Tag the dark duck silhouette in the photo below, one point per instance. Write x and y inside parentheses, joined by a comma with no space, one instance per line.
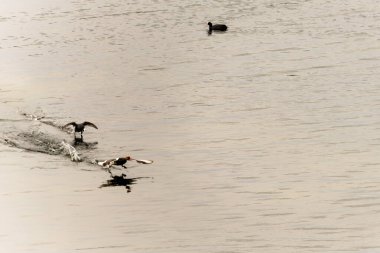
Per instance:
(121,180)
(79,128)
(216,27)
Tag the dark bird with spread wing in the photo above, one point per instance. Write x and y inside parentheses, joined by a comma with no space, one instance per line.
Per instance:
(79,128)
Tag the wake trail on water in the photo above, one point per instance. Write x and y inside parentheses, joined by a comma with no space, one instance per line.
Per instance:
(35,133)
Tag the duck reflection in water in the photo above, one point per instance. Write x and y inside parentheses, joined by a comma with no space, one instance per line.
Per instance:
(80,142)
(119,181)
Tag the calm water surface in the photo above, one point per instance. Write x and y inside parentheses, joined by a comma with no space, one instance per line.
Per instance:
(265,138)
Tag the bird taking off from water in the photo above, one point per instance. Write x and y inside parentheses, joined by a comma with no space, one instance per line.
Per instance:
(216,27)
(120,161)
(79,128)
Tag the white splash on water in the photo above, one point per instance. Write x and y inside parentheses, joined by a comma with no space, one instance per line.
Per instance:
(71,151)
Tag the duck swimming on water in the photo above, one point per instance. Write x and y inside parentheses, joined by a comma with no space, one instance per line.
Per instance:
(79,128)
(216,27)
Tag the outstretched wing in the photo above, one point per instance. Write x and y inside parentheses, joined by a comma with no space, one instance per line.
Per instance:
(144,161)
(106,163)
(86,123)
(68,124)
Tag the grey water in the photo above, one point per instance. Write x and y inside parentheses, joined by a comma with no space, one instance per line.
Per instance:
(264,138)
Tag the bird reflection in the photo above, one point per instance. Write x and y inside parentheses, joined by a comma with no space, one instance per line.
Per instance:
(120,181)
(80,142)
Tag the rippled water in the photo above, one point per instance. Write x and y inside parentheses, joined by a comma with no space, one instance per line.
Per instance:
(265,138)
